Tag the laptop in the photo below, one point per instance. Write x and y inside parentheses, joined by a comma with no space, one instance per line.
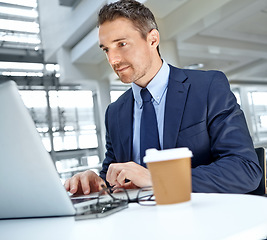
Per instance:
(29,183)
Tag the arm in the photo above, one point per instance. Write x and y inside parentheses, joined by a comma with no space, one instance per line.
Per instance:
(117,168)
(109,156)
(236,166)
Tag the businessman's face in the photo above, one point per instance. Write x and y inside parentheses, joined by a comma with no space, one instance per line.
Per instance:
(130,55)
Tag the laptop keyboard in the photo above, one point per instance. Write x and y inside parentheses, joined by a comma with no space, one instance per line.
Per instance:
(80,200)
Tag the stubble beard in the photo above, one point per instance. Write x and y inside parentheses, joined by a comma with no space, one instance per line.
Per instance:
(132,78)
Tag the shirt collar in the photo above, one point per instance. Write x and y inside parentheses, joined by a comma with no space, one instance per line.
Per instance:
(156,86)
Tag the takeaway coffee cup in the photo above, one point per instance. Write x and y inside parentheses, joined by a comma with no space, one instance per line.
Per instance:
(171,174)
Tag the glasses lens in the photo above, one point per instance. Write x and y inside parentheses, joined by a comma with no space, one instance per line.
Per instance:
(120,194)
(107,204)
(113,194)
(146,197)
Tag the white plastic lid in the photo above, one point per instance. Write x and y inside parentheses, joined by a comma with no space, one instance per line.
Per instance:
(154,155)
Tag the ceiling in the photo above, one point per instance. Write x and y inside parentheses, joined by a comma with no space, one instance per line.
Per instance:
(228,35)
(231,37)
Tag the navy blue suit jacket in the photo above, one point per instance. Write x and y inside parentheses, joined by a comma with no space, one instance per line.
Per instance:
(201,113)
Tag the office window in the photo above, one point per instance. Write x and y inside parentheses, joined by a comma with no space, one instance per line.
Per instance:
(36,103)
(237,95)
(72,118)
(115,94)
(258,110)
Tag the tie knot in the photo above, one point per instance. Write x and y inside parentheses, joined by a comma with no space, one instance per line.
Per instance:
(145,95)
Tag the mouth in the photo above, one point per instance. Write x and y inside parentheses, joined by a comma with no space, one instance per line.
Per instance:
(121,69)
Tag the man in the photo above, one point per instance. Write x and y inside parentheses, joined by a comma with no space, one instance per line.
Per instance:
(194,109)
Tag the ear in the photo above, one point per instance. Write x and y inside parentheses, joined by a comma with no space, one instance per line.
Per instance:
(153,38)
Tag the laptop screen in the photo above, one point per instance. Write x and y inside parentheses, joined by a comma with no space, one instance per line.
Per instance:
(29,183)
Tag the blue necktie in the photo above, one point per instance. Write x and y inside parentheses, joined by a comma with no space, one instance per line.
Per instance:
(149,135)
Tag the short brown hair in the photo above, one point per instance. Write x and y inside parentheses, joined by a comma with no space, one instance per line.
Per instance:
(141,17)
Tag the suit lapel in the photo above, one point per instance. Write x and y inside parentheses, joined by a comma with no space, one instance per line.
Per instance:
(174,107)
(125,122)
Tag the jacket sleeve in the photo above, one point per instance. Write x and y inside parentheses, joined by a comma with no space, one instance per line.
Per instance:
(109,157)
(236,168)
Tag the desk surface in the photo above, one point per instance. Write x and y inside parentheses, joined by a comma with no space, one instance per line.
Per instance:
(206,216)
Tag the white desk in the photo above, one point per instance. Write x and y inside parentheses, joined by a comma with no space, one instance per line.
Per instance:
(208,216)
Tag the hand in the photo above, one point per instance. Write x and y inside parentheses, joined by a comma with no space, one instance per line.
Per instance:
(119,172)
(84,183)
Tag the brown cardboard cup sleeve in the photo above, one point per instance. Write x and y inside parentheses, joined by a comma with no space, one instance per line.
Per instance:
(170,171)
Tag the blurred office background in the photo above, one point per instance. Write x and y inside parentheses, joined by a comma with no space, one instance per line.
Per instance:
(50,48)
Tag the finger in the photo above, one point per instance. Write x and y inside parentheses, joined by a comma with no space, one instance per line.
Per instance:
(121,177)
(108,176)
(129,185)
(73,184)
(67,184)
(85,184)
(101,184)
(96,183)
(117,189)
(112,174)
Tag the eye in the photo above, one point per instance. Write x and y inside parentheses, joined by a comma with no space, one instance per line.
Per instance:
(105,50)
(122,44)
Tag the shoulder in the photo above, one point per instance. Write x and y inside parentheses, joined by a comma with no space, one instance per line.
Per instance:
(197,76)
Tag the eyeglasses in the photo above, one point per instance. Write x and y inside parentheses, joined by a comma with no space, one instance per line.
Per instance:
(143,196)
(112,200)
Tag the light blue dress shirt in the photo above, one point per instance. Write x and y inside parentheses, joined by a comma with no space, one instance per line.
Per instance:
(158,88)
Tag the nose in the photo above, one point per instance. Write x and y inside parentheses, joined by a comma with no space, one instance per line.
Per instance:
(113,57)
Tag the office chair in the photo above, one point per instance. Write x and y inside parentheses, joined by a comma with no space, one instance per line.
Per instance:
(261,190)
